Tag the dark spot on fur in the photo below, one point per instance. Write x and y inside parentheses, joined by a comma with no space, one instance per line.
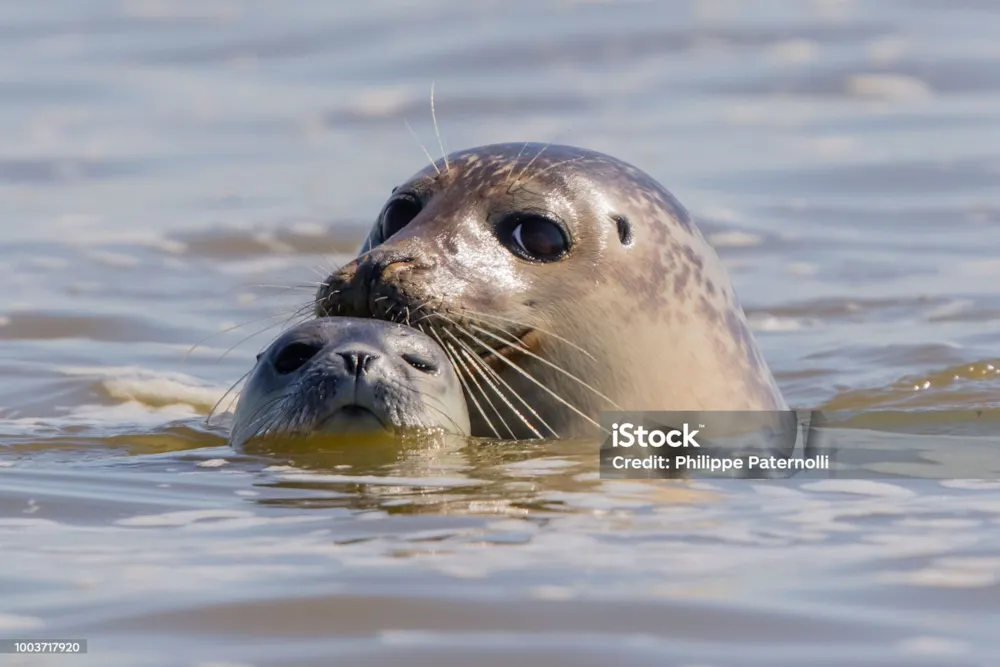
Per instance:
(709,311)
(681,279)
(625,234)
(710,286)
(693,257)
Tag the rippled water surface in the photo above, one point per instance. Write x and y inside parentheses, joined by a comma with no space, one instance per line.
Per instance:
(170,170)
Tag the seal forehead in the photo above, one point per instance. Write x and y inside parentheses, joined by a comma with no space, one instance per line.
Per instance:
(508,166)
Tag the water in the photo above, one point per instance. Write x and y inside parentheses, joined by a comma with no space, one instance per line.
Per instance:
(162,163)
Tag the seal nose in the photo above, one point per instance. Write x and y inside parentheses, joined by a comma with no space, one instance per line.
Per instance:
(351,291)
(357,361)
(382,267)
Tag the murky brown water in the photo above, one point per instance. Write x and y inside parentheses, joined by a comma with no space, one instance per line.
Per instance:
(167,169)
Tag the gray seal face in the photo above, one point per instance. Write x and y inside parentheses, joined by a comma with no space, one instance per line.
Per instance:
(347,375)
(562,282)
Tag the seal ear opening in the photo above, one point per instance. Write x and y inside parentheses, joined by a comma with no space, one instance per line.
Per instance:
(625,234)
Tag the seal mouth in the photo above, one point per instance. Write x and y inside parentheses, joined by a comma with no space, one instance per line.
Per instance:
(353,418)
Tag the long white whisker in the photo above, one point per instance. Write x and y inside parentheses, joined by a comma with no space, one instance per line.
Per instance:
(524,350)
(298,313)
(234,328)
(527,167)
(437,130)
(514,164)
(531,378)
(259,415)
(430,399)
(465,385)
(553,166)
(422,147)
(233,386)
(483,393)
(520,324)
(479,363)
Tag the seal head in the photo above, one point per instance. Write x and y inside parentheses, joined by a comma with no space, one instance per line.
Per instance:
(345,375)
(561,282)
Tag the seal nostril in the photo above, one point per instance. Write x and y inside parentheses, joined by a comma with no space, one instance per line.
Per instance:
(357,362)
(625,234)
(295,356)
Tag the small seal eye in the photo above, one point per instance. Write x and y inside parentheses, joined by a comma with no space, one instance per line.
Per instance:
(398,213)
(420,363)
(536,238)
(294,356)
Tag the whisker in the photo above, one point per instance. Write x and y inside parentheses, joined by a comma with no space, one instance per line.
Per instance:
(526,168)
(482,393)
(532,378)
(429,400)
(419,308)
(553,166)
(496,411)
(233,386)
(422,147)
(483,368)
(308,286)
(297,313)
(318,270)
(262,410)
(255,418)
(304,286)
(437,130)
(514,164)
(229,329)
(525,350)
(521,324)
(458,372)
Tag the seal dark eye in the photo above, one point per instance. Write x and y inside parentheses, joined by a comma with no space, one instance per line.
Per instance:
(536,238)
(420,363)
(294,356)
(398,213)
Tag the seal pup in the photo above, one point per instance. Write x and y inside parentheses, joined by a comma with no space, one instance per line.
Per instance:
(346,375)
(561,282)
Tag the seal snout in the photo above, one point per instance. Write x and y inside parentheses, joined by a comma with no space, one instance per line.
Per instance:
(373,285)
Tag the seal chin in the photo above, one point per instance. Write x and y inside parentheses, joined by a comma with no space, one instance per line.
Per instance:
(353,419)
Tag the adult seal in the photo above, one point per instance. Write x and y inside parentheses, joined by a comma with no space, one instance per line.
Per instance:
(345,375)
(561,282)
